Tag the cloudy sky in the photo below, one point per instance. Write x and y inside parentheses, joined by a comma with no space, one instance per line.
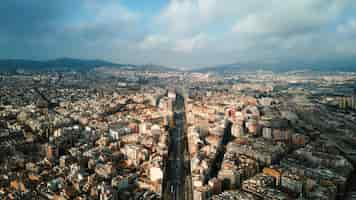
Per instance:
(180,33)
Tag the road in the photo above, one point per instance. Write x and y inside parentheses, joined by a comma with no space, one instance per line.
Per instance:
(177,178)
(215,168)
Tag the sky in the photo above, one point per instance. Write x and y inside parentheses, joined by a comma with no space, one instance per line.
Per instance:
(180,33)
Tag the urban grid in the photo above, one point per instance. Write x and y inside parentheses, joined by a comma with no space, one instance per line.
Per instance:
(126,134)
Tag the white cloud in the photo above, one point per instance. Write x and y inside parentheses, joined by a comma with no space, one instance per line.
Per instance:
(188,45)
(209,31)
(184,32)
(182,45)
(109,9)
(349,27)
(153,42)
(292,17)
(182,17)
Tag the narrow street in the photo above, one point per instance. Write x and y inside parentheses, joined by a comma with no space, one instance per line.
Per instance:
(177,177)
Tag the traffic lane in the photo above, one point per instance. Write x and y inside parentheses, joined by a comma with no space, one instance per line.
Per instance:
(177,171)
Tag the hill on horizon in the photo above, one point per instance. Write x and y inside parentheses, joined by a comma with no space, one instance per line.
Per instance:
(346,65)
(70,64)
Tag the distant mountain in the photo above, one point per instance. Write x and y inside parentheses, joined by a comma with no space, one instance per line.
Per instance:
(345,65)
(70,64)
(226,68)
(241,67)
(149,67)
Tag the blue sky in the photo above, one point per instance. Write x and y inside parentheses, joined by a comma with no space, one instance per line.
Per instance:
(150,7)
(180,33)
